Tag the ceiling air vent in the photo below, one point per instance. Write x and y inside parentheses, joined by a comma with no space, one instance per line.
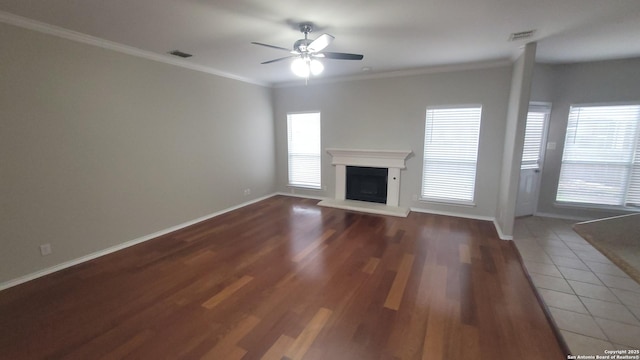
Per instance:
(180,54)
(521,35)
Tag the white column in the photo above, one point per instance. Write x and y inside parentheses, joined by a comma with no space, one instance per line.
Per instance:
(393,187)
(341,182)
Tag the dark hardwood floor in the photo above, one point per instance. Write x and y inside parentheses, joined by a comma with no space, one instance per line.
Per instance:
(284,278)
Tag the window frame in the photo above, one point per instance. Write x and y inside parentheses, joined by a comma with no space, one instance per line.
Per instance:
(450,200)
(635,155)
(318,185)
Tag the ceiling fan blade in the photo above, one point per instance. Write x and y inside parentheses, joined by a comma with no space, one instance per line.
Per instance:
(271,46)
(320,43)
(342,56)
(278,59)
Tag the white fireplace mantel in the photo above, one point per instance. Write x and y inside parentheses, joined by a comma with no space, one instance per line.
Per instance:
(393,160)
(371,158)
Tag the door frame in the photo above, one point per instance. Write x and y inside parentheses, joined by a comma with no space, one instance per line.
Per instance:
(545,107)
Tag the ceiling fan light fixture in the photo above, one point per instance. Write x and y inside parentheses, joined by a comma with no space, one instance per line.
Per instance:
(300,67)
(303,67)
(316,67)
(306,51)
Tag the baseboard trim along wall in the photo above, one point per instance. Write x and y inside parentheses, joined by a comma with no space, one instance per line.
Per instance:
(454,214)
(304,196)
(97,254)
(467,216)
(500,233)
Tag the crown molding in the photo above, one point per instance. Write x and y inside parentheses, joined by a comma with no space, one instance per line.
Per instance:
(402,73)
(57,31)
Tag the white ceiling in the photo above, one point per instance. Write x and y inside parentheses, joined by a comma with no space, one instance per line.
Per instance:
(392,35)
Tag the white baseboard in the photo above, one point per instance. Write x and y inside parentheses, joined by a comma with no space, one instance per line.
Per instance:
(304,196)
(499,231)
(454,214)
(467,216)
(97,254)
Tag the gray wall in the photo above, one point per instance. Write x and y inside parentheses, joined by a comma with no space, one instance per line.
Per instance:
(389,114)
(564,85)
(542,84)
(98,148)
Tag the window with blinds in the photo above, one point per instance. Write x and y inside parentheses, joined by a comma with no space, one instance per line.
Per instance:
(601,159)
(450,153)
(303,133)
(534,135)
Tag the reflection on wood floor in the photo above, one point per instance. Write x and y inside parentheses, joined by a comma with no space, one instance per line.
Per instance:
(284,278)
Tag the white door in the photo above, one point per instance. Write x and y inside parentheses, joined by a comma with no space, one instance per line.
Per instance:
(532,156)
(528,192)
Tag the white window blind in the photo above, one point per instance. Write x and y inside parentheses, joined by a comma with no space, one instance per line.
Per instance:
(534,134)
(633,190)
(600,163)
(303,132)
(451,153)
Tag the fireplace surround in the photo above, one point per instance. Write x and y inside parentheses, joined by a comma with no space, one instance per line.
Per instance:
(390,160)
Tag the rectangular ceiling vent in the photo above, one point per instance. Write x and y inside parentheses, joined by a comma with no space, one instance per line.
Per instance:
(521,35)
(180,54)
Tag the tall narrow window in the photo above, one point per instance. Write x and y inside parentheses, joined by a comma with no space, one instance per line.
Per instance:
(303,131)
(600,163)
(534,134)
(451,153)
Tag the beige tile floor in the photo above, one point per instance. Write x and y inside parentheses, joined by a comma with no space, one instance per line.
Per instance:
(594,303)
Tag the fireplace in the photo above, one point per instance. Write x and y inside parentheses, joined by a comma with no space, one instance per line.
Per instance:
(376,183)
(367,184)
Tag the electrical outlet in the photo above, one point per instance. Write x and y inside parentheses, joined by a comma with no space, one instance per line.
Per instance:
(45,249)
(247,192)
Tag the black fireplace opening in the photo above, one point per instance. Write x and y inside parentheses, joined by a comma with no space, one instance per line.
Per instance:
(367,184)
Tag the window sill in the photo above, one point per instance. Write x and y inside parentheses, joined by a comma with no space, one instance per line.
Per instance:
(448,202)
(305,187)
(584,206)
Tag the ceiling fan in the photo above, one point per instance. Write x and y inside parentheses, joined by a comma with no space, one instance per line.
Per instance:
(306,51)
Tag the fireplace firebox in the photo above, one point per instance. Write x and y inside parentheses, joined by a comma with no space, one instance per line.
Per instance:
(367,184)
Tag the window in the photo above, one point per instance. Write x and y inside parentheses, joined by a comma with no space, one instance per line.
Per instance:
(534,135)
(304,149)
(450,154)
(601,159)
